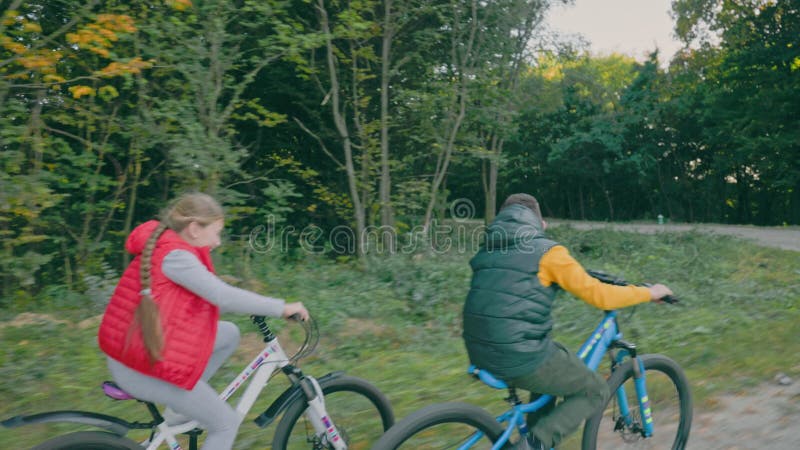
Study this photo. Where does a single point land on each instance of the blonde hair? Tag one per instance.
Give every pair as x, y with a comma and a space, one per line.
187, 208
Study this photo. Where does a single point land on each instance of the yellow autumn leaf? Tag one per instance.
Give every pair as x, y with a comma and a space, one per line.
51, 78
117, 22
97, 37
40, 61
13, 47
10, 17
108, 92
100, 51
18, 76
180, 5
108, 34
132, 66
81, 37
31, 27
79, 91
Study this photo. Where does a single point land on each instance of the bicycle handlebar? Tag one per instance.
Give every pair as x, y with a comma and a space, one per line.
619, 281
310, 329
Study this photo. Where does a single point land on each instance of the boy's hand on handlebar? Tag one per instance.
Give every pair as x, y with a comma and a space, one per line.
295, 309
659, 291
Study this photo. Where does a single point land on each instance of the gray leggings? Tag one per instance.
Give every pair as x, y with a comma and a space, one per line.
202, 403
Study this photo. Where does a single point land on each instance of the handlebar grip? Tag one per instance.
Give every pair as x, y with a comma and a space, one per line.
671, 299
619, 281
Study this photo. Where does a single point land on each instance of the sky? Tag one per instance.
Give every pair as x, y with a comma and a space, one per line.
631, 27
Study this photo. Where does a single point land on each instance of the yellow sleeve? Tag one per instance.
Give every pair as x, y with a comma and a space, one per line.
558, 266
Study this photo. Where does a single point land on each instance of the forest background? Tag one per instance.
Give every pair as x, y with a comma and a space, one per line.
375, 115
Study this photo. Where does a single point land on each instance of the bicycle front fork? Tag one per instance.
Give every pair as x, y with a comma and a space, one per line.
639, 381
322, 423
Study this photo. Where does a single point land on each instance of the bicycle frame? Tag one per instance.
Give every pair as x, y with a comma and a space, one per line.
270, 359
256, 375
261, 368
606, 335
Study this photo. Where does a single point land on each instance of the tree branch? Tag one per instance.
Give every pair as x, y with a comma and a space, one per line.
57, 33
321, 143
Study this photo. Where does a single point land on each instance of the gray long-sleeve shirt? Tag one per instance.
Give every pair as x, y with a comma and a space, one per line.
183, 268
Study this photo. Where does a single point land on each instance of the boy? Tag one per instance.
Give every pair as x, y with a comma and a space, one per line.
508, 323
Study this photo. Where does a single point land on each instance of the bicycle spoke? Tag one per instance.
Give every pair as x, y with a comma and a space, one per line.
354, 416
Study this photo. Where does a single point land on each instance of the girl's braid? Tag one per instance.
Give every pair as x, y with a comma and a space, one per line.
147, 315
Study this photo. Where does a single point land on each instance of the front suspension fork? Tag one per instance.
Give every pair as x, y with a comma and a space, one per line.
323, 426
627, 349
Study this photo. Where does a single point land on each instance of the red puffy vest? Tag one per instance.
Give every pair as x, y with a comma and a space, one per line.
189, 322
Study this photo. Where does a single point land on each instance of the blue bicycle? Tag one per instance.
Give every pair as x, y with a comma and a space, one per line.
650, 406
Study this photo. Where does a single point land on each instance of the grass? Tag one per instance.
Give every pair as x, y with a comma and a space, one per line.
396, 322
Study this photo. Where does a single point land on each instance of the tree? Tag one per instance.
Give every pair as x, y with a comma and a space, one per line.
59, 66
501, 96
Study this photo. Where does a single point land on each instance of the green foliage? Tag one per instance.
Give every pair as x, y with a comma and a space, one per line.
277, 197
712, 139
397, 323
107, 110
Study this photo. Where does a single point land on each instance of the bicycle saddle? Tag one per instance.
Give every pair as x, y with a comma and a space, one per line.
117, 393
486, 377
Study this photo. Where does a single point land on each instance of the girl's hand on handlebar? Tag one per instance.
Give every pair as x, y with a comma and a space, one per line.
295, 309
658, 291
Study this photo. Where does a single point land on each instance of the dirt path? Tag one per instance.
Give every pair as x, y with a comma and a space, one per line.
787, 238
765, 417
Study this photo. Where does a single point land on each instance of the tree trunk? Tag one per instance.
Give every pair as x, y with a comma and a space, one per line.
461, 64
385, 191
491, 192
344, 134
487, 209
509, 81
136, 167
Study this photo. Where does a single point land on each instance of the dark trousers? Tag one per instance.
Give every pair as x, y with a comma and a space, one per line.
562, 374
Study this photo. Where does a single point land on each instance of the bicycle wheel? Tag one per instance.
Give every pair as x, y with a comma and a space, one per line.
89, 440
442, 426
670, 403
359, 410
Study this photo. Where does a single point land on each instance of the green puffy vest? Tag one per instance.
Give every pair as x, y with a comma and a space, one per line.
507, 320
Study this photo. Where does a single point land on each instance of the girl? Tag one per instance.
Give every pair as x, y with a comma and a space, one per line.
161, 329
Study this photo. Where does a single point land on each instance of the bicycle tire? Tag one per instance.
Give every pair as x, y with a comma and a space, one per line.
662, 374
349, 415
415, 429
89, 440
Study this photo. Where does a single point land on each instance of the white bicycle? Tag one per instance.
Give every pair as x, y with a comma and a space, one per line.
334, 412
